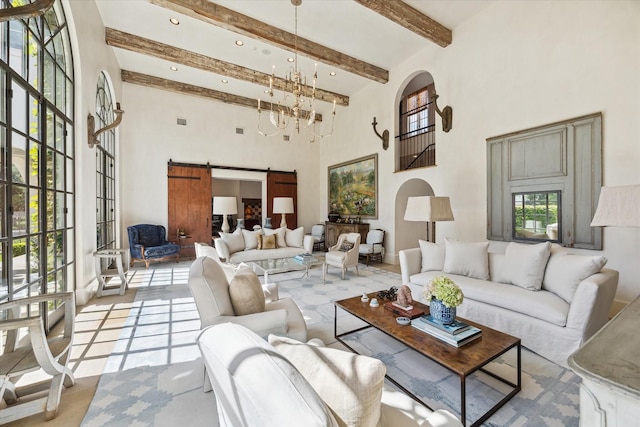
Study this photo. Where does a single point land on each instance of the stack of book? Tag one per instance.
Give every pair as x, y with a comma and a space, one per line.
403, 310
303, 257
456, 334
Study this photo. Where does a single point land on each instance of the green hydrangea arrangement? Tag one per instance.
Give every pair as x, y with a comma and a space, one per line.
445, 290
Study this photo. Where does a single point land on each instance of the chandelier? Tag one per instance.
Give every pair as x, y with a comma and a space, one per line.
295, 108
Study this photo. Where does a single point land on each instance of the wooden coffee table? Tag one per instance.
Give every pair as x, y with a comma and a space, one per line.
462, 361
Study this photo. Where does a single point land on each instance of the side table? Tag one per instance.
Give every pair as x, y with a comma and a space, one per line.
111, 255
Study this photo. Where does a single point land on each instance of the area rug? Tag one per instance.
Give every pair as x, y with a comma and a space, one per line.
154, 376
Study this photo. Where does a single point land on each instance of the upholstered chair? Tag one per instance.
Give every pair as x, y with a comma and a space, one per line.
317, 232
344, 254
374, 248
148, 242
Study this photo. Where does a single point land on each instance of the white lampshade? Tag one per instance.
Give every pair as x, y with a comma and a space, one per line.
225, 206
428, 208
283, 205
618, 207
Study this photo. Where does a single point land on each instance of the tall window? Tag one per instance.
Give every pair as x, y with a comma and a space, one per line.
105, 168
416, 142
36, 156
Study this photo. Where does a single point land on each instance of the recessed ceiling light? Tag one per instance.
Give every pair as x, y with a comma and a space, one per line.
173, 68
239, 42
225, 81
333, 73
174, 21
290, 60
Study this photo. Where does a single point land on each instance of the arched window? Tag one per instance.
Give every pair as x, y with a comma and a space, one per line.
36, 160
415, 147
105, 167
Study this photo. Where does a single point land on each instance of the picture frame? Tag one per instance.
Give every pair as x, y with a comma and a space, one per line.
353, 187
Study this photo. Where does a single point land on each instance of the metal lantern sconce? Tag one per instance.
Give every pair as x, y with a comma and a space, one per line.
91, 124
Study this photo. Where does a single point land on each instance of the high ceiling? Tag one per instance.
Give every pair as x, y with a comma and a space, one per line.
347, 26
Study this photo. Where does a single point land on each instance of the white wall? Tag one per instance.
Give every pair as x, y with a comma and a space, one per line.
91, 56
515, 66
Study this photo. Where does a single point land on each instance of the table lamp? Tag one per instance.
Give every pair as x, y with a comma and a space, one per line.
225, 206
284, 206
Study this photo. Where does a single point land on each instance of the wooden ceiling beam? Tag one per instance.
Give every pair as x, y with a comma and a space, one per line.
156, 49
410, 18
228, 19
187, 89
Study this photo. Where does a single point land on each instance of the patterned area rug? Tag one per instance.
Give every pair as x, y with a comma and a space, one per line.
154, 376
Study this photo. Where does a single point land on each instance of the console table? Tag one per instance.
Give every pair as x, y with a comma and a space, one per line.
334, 229
609, 365
111, 257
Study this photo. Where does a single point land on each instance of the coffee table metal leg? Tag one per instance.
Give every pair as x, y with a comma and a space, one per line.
463, 400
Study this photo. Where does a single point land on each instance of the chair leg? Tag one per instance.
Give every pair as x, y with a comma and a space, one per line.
207, 387
343, 270
357, 271
146, 263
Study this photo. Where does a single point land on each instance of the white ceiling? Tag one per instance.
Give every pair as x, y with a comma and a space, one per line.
343, 25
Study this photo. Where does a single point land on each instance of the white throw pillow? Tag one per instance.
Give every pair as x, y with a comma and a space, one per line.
350, 384
234, 241
246, 293
524, 265
250, 239
565, 272
432, 256
280, 236
295, 237
467, 259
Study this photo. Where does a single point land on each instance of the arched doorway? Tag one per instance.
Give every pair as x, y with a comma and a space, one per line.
407, 233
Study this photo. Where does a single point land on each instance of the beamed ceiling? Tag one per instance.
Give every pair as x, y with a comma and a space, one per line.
359, 40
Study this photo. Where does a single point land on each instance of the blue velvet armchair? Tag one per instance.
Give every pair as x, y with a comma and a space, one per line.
148, 242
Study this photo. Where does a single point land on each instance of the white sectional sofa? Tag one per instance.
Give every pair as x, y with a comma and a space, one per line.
552, 300
285, 382
243, 245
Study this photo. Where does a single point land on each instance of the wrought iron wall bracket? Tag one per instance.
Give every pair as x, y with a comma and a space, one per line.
92, 135
446, 114
384, 137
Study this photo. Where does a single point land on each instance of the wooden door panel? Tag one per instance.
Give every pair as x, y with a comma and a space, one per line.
282, 184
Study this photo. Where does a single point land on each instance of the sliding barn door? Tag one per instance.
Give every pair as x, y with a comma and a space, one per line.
190, 206
282, 184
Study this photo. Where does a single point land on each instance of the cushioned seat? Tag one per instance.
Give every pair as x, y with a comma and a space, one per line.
374, 248
147, 242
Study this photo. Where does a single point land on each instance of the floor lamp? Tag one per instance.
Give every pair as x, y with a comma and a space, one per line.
430, 209
283, 205
225, 206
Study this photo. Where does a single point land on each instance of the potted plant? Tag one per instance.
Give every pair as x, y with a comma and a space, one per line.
443, 296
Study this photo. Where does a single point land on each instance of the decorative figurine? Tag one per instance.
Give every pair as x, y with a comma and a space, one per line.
404, 296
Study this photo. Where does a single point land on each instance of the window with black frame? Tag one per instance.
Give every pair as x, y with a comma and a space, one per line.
537, 216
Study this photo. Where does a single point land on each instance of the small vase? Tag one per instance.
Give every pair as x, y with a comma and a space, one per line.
267, 223
441, 313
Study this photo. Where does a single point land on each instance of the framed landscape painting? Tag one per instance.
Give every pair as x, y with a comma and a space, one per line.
353, 187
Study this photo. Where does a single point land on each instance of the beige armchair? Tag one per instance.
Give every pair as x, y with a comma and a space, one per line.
341, 257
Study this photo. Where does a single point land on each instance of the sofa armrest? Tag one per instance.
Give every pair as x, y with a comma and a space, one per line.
222, 248
263, 324
270, 291
592, 301
307, 243
410, 263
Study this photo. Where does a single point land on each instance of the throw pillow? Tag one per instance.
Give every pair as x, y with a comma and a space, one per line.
267, 242
432, 256
234, 241
295, 237
280, 235
246, 293
346, 246
565, 272
467, 259
350, 384
250, 239
524, 265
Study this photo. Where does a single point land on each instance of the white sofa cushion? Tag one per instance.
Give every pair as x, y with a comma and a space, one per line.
255, 254
250, 239
565, 272
294, 238
280, 234
253, 383
432, 256
245, 291
350, 384
524, 265
234, 241
467, 259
